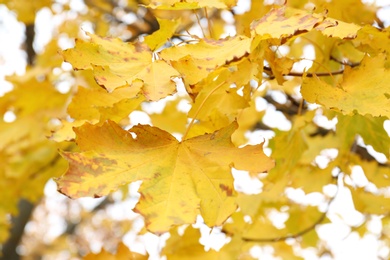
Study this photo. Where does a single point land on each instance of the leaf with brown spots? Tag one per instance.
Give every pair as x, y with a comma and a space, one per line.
180, 179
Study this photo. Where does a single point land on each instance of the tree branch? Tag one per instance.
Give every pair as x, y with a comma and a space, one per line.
30, 36
17, 230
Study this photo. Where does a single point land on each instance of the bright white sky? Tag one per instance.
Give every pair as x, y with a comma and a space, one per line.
344, 244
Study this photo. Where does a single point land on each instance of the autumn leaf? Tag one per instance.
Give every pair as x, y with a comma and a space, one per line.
285, 22
220, 97
187, 246
341, 29
196, 61
160, 37
200, 166
373, 41
370, 203
356, 92
118, 64
98, 104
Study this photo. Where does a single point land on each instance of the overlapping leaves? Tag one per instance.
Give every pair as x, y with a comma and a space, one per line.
117, 64
183, 179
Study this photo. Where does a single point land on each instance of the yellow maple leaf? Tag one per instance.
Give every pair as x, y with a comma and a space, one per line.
196, 61
342, 29
285, 22
356, 92
117, 64
200, 166
374, 41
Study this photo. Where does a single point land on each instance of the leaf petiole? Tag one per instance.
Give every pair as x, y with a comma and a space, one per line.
200, 107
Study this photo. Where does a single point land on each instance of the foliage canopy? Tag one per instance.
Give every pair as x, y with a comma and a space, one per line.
209, 65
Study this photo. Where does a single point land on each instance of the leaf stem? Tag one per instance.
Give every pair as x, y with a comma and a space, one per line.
198, 20
208, 23
200, 107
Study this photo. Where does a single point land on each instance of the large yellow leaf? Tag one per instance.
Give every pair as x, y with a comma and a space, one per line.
180, 179
116, 64
357, 92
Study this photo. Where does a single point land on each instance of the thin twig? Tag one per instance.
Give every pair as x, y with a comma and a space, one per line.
308, 74
198, 20
200, 107
303, 231
208, 23
354, 64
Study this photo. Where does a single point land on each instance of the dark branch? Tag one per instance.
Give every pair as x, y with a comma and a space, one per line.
355, 64
25, 207
18, 223
30, 36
